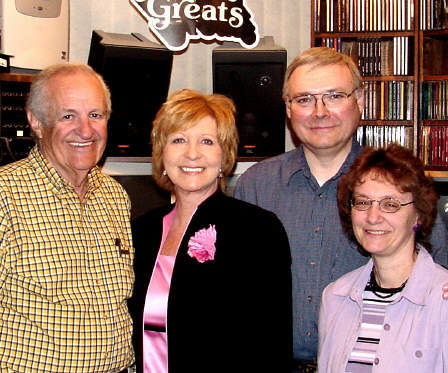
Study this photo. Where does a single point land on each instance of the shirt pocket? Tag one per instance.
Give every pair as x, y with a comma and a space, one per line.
419, 359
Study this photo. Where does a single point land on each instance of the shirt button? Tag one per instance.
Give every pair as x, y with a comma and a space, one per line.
313, 263
376, 361
321, 196
308, 334
317, 229
309, 298
418, 353
386, 327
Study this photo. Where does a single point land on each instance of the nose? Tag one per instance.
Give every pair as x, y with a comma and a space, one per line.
192, 151
374, 214
320, 109
85, 129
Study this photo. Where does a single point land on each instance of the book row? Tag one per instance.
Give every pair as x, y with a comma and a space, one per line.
375, 56
363, 15
433, 14
433, 100
381, 136
434, 146
390, 100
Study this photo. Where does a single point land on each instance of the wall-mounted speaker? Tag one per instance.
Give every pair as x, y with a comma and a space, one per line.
253, 78
35, 32
138, 74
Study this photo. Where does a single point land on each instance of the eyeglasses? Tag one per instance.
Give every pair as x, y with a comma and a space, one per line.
329, 99
386, 204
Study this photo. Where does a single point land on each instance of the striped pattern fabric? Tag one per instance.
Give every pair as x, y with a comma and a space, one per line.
375, 301
65, 272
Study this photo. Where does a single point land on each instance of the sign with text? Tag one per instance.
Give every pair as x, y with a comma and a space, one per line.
176, 22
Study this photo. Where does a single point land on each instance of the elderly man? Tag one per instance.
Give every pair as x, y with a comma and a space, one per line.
65, 243
324, 101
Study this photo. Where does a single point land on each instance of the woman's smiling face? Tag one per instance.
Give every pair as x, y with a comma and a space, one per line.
382, 233
192, 158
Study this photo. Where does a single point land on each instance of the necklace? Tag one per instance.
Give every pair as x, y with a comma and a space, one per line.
380, 292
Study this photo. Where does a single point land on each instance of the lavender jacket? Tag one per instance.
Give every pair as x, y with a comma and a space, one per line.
415, 335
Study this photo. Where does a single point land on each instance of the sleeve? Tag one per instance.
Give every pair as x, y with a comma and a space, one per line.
245, 188
5, 241
444, 326
439, 242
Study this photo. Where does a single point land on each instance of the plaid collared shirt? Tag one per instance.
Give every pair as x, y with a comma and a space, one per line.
65, 272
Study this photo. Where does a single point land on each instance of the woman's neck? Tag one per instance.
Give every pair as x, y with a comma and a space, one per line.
391, 274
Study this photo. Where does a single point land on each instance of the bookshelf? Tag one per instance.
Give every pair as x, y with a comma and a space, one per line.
433, 77
15, 136
401, 48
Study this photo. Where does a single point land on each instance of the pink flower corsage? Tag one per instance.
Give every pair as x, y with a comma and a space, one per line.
202, 245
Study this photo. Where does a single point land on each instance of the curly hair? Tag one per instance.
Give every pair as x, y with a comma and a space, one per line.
183, 110
398, 166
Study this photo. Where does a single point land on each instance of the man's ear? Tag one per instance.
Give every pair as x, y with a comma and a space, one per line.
288, 108
361, 100
35, 124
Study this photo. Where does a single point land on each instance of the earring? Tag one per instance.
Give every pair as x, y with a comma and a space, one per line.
416, 227
164, 173
220, 175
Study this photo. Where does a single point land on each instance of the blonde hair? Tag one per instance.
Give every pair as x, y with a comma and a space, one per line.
183, 110
319, 57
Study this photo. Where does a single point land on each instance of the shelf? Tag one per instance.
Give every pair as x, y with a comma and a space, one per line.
439, 32
10, 77
434, 172
388, 78
378, 122
364, 34
434, 77
149, 159
434, 123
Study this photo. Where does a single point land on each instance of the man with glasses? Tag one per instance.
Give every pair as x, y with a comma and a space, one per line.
324, 100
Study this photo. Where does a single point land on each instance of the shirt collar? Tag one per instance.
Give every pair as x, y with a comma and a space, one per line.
59, 185
416, 290
296, 162
419, 284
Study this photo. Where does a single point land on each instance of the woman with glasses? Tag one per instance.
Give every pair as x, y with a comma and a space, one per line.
389, 315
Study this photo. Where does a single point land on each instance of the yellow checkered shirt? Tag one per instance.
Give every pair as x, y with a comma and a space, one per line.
65, 272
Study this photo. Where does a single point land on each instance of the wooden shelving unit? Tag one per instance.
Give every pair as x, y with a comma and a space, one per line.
422, 27
15, 137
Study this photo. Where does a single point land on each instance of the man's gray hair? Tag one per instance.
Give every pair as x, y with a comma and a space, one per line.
39, 101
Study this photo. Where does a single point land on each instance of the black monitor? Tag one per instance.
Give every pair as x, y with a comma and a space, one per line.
253, 78
138, 74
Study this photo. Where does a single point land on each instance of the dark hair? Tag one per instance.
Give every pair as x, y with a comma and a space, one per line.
398, 166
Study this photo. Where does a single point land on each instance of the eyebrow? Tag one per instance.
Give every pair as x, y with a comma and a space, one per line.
331, 90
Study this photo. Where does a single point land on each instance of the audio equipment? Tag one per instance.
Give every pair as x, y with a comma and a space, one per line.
253, 78
138, 73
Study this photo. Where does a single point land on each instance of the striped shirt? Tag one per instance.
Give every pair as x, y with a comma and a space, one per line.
375, 301
65, 271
